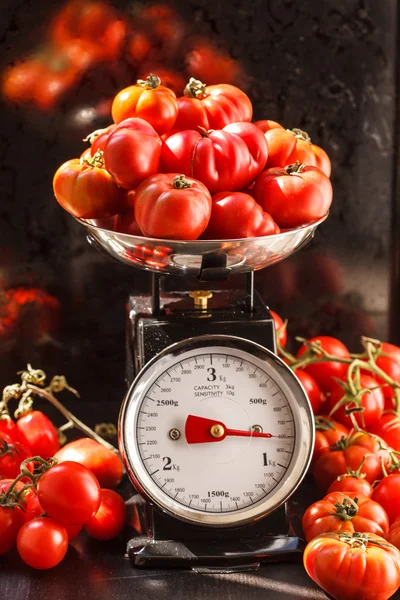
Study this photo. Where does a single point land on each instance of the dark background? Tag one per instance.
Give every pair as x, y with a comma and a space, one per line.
326, 67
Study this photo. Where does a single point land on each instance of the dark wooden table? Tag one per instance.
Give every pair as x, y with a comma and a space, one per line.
99, 571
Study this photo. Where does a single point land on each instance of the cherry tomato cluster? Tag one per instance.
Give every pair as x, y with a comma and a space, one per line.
353, 531
195, 167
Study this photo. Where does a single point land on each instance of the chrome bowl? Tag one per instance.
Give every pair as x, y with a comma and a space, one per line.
175, 257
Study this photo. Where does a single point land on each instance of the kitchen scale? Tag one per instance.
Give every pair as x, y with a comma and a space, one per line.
216, 431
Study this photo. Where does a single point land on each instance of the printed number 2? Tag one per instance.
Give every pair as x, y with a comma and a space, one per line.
167, 463
212, 376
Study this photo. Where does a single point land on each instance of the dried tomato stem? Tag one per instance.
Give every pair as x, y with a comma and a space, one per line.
69, 416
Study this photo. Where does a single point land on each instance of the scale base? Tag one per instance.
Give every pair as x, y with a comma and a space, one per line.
216, 557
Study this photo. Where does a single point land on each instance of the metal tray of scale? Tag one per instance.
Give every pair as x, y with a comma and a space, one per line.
176, 257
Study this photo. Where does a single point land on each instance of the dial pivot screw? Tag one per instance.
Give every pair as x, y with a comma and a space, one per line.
174, 434
257, 429
217, 430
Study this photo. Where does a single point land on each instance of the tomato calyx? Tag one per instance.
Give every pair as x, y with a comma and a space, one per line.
195, 89
96, 161
151, 82
299, 134
6, 448
181, 183
346, 510
295, 168
359, 540
356, 473
322, 424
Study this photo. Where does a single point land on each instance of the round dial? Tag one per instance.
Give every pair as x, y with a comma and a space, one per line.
216, 431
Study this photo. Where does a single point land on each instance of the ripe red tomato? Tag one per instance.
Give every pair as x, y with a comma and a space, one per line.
387, 494
372, 403
388, 428
392, 368
312, 390
126, 223
327, 433
9, 428
286, 146
40, 432
211, 107
173, 207
148, 100
98, 139
105, 465
69, 493
205, 61
42, 543
237, 215
324, 371
87, 192
226, 159
109, 520
32, 507
11, 520
20, 81
360, 566
279, 326
294, 195
345, 512
11, 456
132, 152
73, 531
349, 454
393, 536
392, 350
170, 78
347, 483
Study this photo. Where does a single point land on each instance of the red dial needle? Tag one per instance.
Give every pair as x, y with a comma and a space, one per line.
199, 430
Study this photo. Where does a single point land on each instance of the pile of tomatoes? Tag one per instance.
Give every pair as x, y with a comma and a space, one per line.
353, 532
45, 502
195, 167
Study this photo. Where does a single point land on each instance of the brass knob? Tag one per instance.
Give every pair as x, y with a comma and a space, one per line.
200, 298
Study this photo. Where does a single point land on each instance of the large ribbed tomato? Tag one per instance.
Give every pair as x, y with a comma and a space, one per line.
173, 207
294, 195
224, 160
211, 107
149, 100
132, 152
327, 433
360, 566
237, 215
286, 146
88, 191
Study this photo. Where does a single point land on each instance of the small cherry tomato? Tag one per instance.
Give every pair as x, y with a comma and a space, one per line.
324, 371
149, 100
327, 433
340, 511
132, 152
105, 464
348, 454
237, 215
73, 531
109, 520
312, 390
372, 403
387, 494
357, 566
11, 456
42, 543
40, 432
388, 428
294, 195
211, 107
9, 427
280, 328
32, 507
173, 207
69, 493
11, 520
86, 191
351, 483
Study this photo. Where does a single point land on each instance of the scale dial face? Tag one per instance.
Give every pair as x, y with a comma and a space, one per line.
216, 431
